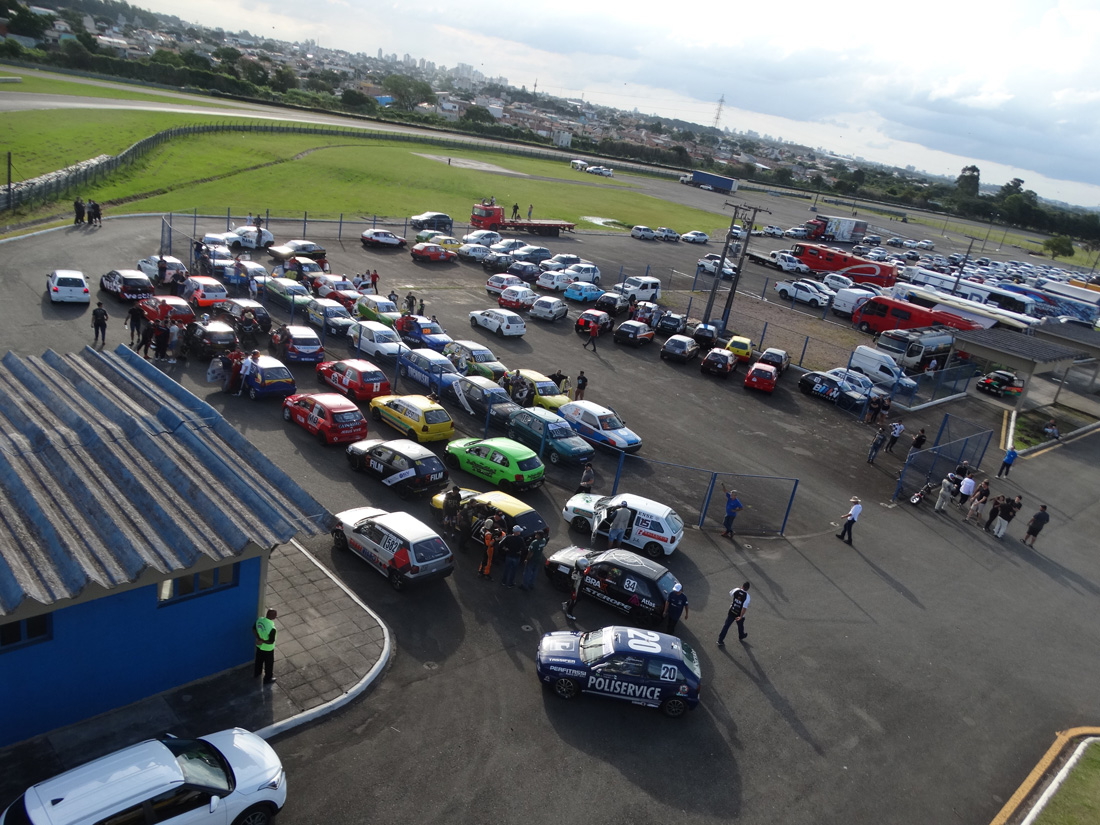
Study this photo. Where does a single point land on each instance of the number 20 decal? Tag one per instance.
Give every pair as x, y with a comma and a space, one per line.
643, 641
669, 673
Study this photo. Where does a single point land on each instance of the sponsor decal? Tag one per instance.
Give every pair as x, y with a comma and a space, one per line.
401, 476
568, 671
603, 684
650, 535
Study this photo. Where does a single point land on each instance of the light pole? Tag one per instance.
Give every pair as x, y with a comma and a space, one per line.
962, 268
992, 218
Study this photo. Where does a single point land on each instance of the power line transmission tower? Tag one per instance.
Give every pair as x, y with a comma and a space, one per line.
718, 111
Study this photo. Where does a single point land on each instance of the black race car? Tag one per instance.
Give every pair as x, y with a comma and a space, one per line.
672, 323
497, 262
481, 395
1001, 382
232, 310
127, 284
630, 583
205, 339
407, 467
831, 388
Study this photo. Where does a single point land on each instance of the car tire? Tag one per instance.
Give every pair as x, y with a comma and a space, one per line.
663, 356
375, 414
813, 303
511, 432
473, 323
339, 540
507, 486
411, 435
397, 581
500, 332
864, 326
565, 688
555, 457
286, 414
253, 394
322, 438
674, 707
581, 523
451, 460
653, 550
784, 294
257, 815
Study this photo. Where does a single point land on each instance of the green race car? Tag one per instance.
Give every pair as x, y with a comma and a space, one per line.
288, 292
479, 359
500, 461
376, 308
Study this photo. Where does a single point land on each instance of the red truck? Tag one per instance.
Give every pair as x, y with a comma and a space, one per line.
826, 259
835, 230
485, 216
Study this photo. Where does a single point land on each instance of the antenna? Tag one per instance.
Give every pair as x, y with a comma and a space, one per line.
535, 91
718, 111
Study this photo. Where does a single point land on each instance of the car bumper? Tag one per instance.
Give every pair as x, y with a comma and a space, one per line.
435, 575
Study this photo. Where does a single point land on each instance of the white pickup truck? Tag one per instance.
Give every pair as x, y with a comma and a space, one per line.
788, 263
801, 291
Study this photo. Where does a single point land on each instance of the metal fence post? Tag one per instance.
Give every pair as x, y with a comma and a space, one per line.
267, 219
228, 219
340, 229
790, 504
764, 291
763, 332
805, 344
618, 472
706, 500
305, 222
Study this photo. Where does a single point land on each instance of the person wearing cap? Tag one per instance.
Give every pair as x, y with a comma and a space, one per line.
739, 604
619, 522
452, 503
676, 604
248, 366
588, 478
533, 560
264, 631
850, 519
514, 547
576, 578
733, 506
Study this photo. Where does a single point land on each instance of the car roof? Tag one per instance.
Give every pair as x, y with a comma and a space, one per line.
206, 279
588, 406
533, 375
357, 363
421, 401
482, 381
509, 505
216, 326
633, 562
670, 645
407, 447
132, 273
269, 361
470, 345
301, 330
505, 445
636, 502
333, 401
431, 355
327, 302
545, 414
104, 785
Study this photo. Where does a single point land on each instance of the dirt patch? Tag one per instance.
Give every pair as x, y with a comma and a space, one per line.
476, 165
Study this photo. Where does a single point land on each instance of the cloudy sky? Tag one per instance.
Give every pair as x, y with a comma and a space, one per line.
1012, 86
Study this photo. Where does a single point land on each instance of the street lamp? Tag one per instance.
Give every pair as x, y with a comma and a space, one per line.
992, 218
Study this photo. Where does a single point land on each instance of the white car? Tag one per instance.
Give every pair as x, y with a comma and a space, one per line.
654, 528
695, 236
474, 252
773, 231
643, 233
561, 261
600, 426
149, 266
709, 263
818, 287
583, 272
483, 237
836, 282
498, 283
797, 232
857, 381
401, 547
800, 291
663, 233
508, 245
549, 309
909, 244
232, 776
381, 237
68, 286
376, 340
518, 297
503, 322
252, 237
325, 285
925, 245
736, 233
553, 279
877, 254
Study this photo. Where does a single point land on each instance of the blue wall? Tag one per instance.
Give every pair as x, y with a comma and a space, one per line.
116, 650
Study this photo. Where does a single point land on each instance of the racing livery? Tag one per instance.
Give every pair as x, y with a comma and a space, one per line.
627, 582
357, 378
493, 503
600, 426
400, 547
642, 666
331, 417
654, 527
405, 466
500, 461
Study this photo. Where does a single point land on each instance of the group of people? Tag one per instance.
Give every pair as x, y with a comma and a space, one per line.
90, 213
365, 279
490, 530
962, 489
515, 209
890, 440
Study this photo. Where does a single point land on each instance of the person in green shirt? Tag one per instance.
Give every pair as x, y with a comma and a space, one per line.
533, 560
264, 631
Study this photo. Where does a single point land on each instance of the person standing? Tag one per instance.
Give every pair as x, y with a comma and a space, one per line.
874, 406
134, 318
966, 489
146, 340
78, 210
1008, 512
947, 489
264, 631
588, 477
514, 549
619, 522
675, 605
876, 445
733, 507
918, 442
850, 519
884, 410
392, 297
374, 281
576, 579
896, 429
452, 503
582, 385
1036, 525
978, 502
515, 211
739, 604
410, 302
173, 342
1006, 463
533, 560
995, 512
932, 365
485, 571
248, 366
99, 325
593, 334
530, 209
162, 271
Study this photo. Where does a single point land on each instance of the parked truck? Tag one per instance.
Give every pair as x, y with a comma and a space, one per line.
826, 259
835, 230
781, 260
716, 182
914, 349
486, 216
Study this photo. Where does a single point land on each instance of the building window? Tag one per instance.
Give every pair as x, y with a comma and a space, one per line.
26, 632
198, 584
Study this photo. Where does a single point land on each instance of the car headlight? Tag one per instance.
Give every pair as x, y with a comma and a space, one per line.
275, 783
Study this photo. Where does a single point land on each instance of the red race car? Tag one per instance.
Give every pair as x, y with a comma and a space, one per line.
761, 377
432, 252
332, 417
348, 297
357, 378
518, 298
166, 308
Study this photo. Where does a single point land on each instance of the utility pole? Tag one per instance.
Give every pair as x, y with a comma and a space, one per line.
992, 218
750, 223
962, 268
721, 264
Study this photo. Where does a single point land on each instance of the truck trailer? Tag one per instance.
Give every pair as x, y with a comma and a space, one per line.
835, 230
487, 216
716, 182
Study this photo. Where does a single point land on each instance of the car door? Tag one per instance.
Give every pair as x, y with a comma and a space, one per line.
301, 411
623, 676
367, 541
379, 460
184, 805
318, 419
529, 429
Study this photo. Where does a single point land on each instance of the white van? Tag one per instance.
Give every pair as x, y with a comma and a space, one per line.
880, 367
847, 301
642, 287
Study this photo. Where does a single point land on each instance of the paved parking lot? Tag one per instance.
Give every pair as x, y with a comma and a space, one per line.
911, 678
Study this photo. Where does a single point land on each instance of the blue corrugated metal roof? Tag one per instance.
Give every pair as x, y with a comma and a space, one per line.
110, 469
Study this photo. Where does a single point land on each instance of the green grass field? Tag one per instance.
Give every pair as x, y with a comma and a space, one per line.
1077, 801
58, 85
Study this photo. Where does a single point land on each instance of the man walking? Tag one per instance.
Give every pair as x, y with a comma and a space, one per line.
264, 631
896, 429
374, 281
947, 489
918, 442
739, 604
1008, 512
514, 548
582, 385
588, 478
533, 560
733, 507
850, 519
593, 334
134, 319
876, 445
675, 605
1036, 525
966, 489
619, 522
99, 324
576, 578
1006, 464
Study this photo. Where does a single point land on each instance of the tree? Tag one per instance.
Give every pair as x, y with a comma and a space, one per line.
1059, 247
782, 174
283, 80
1013, 187
478, 114
656, 127
166, 57
193, 60
26, 23
407, 92
253, 72
358, 101
227, 54
968, 181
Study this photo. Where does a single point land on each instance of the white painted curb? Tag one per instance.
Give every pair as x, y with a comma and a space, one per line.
1058, 780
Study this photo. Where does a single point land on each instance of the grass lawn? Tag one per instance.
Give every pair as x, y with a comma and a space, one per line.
58, 85
1077, 801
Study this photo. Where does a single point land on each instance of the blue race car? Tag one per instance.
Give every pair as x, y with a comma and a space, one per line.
582, 291
418, 331
642, 666
600, 426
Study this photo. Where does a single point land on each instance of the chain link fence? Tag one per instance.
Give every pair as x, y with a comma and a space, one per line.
958, 440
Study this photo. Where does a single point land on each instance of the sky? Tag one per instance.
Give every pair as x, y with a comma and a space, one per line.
1012, 87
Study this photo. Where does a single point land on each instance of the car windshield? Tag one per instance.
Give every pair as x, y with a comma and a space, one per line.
201, 764
691, 659
595, 645
369, 376
530, 521
277, 374
483, 356
349, 417
336, 312
547, 388
675, 345
431, 549
386, 336
531, 463
436, 416
385, 306
498, 395
296, 289
559, 430
222, 337
610, 422
135, 281
431, 329
307, 341
675, 522
430, 465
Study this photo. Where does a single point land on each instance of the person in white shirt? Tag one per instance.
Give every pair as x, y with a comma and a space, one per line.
850, 519
248, 366
966, 489
739, 603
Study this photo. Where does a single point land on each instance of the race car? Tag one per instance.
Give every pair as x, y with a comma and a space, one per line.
549, 309
417, 331
166, 308
205, 291
718, 362
150, 267
582, 292
653, 527
404, 466
500, 461
377, 308
496, 285
760, 376
533, 388
298, 268
297, 249
634, 333
517, 297
600, 426
630, 583
432, 252
1001, 382
205, 339
593, 316
127, 284
493, 503
331, 417
330, 316
672, 323
357, 378
479, 359
679, 348
381, 237
296, 343
643, 667
778, 358
539, 428
741, 347
480, 397
417, 416
402, 548
833, 389
504, 322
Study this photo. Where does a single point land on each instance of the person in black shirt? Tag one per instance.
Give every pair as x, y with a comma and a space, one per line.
1036, 525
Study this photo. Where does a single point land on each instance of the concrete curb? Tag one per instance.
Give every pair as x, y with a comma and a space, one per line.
1012, 808
1049, 445
328, 707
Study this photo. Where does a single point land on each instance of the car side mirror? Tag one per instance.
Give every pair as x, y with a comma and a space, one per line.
214, 802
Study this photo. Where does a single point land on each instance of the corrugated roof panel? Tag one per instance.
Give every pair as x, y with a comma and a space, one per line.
109, 469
